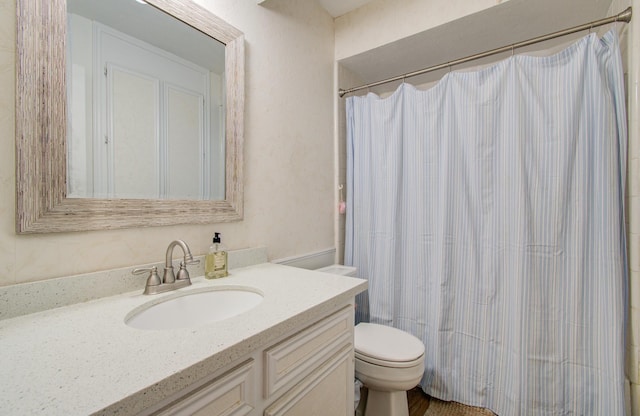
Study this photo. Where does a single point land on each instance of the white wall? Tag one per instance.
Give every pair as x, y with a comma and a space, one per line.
630, 41
385, 21
288, 153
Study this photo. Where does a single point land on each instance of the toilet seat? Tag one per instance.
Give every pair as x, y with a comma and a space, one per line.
390, 364
387, 346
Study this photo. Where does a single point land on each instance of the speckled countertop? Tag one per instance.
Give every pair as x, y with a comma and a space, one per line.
83, 359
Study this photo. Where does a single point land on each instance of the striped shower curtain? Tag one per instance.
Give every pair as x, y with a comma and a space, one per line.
487, 214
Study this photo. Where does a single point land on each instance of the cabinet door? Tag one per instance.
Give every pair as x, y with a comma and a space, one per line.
326, 391
290, 361
229, 395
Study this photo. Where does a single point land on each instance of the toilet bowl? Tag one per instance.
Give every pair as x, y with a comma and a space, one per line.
388, 362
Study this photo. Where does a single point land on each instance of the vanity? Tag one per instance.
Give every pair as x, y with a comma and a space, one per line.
290, 354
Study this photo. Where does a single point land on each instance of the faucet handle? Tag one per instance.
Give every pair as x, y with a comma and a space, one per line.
152, 280
183, 273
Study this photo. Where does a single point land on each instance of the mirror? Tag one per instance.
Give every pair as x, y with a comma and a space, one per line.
145, 100
43, 202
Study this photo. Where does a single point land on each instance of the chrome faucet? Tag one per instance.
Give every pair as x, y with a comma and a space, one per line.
183, 274
169, 280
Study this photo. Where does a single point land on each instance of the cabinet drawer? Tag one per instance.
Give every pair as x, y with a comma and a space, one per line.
294, 358
333, 380
230, 395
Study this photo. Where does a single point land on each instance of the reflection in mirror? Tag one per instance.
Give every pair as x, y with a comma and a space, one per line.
49, 199
146, 105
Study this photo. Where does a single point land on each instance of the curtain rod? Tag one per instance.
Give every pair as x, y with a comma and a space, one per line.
624, 16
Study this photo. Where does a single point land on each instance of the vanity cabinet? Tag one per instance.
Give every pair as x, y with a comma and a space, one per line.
318, 363
230, 394
309, 371
324, 392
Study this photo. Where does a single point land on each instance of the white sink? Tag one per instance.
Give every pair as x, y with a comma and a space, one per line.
193, 308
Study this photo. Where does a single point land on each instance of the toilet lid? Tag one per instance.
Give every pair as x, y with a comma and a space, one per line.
386, 343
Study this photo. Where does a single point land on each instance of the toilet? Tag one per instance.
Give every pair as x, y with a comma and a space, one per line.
389, 362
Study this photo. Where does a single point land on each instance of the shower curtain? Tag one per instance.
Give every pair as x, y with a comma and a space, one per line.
487, 214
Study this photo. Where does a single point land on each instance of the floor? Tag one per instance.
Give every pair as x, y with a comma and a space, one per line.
418, 402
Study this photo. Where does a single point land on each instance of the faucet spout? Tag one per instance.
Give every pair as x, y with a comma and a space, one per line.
169, 276
185, 250
169, 280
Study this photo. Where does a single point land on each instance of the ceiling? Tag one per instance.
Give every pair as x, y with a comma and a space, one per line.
151, 25
339, 7
504, 24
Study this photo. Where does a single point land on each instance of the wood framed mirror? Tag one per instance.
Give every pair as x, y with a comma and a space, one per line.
42, 205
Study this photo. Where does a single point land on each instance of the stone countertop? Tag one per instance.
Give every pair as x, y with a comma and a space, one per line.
83, 359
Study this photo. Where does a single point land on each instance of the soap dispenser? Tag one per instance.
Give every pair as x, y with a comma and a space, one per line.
215, 264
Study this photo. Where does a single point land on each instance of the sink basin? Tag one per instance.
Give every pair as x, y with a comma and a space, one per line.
193, 308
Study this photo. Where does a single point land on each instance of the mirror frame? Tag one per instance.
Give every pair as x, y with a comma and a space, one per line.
42, 205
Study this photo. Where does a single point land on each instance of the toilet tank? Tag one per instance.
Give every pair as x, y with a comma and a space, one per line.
339, 269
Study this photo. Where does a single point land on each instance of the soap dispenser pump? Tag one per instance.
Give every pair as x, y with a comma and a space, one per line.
215, 265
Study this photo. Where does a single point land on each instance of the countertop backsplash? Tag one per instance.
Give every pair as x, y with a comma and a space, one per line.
31, 297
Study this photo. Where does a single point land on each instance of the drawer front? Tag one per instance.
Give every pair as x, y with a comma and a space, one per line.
326, 391
230, 395
294, 358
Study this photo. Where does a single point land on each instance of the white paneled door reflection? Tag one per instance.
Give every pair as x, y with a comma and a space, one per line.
154, 122
155, 139
131, 166
185, 145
